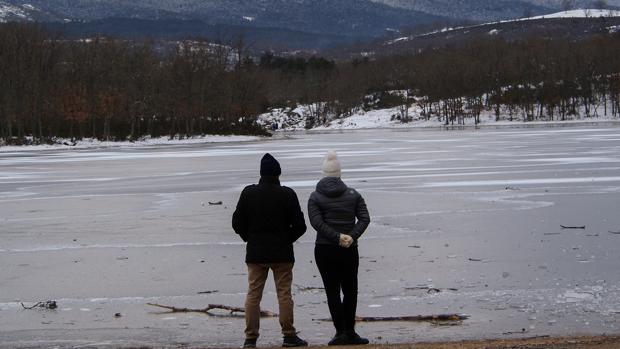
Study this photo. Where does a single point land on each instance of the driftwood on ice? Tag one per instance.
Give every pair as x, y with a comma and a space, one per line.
266, 313
210, 307
413, 318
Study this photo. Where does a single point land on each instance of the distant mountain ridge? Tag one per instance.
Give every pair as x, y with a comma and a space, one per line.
493, 10
358, 18
300, 14
298, 24
570, 26
475, 10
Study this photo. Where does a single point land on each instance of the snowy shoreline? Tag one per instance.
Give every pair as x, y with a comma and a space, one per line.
89, 143
376, 119
432, 125
295, 120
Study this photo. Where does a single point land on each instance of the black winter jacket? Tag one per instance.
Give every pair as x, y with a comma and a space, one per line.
333, 209
269, 219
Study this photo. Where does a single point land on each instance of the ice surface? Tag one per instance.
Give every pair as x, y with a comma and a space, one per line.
473, 213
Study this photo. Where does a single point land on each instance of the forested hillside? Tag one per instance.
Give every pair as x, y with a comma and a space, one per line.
111, 89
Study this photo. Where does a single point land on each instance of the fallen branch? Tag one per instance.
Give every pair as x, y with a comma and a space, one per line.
309, 288
46, 305
415, 318
569, 227
523, 330
430, 289
446, 323
232, 310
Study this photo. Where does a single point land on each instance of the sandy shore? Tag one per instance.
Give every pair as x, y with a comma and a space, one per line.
599, 342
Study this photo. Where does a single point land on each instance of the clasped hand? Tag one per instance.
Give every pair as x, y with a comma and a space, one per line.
345, 240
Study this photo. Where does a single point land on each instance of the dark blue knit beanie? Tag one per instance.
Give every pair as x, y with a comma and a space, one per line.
269, 166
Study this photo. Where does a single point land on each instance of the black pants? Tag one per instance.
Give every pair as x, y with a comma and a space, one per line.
338, 267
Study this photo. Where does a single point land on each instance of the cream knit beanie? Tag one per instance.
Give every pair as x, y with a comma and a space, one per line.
331, 165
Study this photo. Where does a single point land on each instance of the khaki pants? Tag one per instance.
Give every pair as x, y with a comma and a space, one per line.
283, 277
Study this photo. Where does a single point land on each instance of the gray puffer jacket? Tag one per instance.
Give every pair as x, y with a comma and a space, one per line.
333, 209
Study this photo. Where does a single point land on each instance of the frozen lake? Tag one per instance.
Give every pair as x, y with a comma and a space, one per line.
473, 213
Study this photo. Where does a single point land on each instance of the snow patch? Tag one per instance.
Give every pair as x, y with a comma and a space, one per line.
8, 11
317, 116
575, 296
404, 38
63, 143
580, 13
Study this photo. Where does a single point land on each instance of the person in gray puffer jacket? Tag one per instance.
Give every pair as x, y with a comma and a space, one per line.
339, 215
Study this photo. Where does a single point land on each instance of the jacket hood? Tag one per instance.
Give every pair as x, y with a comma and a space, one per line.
331, 187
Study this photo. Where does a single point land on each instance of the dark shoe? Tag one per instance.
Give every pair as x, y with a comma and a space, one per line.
249, 343
355, 339
293, 341
339, 339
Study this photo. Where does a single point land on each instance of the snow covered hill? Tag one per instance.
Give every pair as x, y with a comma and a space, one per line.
299, 24
284, 25
20, 12
9, 12
476, 10
493, 10
568, 25
575, 14
345, 17
580, 13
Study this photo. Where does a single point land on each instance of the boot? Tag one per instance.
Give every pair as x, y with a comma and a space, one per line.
249, 343
339, 339
293, 341
355, 339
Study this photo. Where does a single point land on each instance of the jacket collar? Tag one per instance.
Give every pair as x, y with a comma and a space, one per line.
269, 180
331, 186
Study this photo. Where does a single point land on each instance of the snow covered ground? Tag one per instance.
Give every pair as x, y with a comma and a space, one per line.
145, 142
294, 119
8, 11
579, 13
475, 213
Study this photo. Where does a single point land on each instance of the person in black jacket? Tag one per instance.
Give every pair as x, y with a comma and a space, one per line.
268, 217
339, 215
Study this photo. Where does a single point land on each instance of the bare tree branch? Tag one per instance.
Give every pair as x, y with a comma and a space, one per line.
210, 307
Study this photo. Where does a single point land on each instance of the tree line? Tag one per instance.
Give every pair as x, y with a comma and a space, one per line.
531, 79
117, 90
